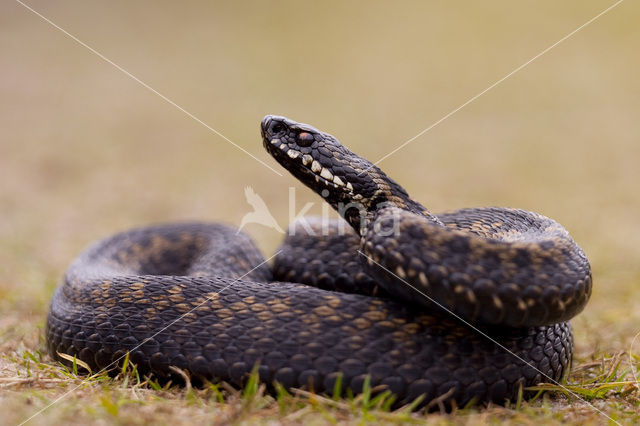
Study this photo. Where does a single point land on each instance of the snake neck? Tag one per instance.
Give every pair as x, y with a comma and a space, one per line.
356, 188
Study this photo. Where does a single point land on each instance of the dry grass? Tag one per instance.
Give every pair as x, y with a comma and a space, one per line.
86, 151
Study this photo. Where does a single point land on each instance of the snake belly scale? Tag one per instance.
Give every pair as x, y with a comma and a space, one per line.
338, 303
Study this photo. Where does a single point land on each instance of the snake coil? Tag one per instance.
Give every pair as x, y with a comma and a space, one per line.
467, 305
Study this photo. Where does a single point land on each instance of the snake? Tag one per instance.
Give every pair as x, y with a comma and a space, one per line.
468, 306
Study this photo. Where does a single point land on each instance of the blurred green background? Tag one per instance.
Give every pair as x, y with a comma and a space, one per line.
86, 151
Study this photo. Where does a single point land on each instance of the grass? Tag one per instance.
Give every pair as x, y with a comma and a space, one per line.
85, 151
130, 399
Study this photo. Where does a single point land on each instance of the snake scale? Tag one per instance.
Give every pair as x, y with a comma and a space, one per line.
462, 306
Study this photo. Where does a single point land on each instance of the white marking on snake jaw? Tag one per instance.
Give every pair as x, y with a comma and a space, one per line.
284, 147
306, 159
470, 296
423, 279
338, 181
497, 302
275, 141
293, 154
315, 167
349, 186
325, 173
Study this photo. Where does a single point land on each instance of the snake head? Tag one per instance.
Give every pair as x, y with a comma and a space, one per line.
352, 185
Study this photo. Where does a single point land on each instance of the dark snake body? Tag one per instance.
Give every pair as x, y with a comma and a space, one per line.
466, 305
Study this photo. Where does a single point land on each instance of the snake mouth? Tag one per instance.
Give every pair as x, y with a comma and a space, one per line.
304, 167
299, 149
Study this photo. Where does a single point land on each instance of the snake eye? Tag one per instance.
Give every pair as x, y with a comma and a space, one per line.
304, 139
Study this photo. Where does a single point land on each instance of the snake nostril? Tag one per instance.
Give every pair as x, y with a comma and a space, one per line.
275, 127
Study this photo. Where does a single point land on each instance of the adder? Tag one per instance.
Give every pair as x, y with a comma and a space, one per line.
471, 305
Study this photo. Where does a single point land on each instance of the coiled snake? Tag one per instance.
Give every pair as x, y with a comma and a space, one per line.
395, 300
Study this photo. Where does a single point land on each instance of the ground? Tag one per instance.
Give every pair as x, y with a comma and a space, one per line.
86, 151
